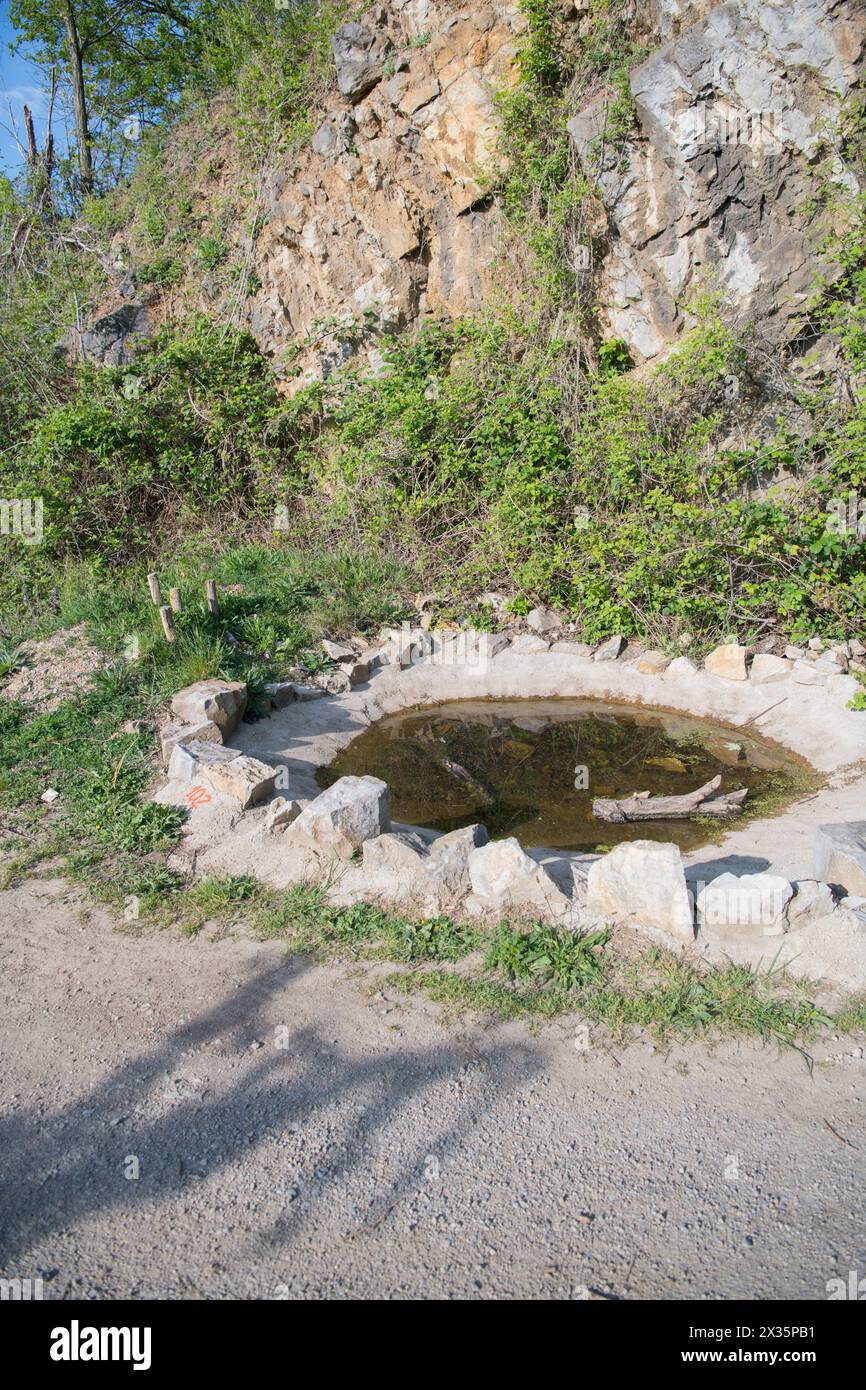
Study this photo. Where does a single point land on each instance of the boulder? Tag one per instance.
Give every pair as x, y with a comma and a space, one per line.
642, 881
611, 649
280, 693
218, 701
356, 672
343, 818
403, 865
572, 648
811, 901
245, 780
111, 341
839, 855
359, 54
307, 692
528, 644
338, 651
191, 760
448, 858
542, 620
770, 668
504, 878
394, 866
490, 644
653, 663
752, 902
682, 666
172, 734
830, 948
807, 673
728, 661
281, 813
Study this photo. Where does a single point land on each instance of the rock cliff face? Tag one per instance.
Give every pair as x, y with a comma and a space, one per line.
733, 116
390, 212
387, 214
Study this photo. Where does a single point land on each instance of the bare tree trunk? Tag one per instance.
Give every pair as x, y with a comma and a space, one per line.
32, 148
79, 100
41, 162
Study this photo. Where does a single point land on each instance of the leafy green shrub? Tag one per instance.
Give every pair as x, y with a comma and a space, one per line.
211, 252
200, 434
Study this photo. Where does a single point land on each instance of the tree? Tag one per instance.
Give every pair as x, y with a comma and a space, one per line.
122, 61
79, 98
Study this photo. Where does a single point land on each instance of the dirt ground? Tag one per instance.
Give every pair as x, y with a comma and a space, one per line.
297, 1134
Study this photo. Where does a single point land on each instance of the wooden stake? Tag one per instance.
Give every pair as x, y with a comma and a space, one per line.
210, 594
153, 585
174, 600
167, 623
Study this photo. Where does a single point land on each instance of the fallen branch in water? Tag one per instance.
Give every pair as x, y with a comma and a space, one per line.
641, 806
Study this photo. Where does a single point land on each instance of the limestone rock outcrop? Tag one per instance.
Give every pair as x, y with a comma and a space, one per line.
733, 115
387, 213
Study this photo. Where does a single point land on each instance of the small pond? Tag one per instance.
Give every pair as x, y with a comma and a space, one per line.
531, 768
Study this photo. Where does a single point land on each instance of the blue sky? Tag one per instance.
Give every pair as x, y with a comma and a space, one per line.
20, 82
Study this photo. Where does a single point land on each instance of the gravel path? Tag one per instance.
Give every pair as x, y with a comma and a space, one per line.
298, 1135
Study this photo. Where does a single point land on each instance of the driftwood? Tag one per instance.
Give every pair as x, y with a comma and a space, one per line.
641, 806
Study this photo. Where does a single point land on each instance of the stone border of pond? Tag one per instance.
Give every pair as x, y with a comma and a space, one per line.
785, 890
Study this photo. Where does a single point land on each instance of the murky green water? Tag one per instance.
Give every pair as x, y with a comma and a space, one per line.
531, 768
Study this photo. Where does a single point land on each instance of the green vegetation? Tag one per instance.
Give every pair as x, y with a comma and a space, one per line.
519, 448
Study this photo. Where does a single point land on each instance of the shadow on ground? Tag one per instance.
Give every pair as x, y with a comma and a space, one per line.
65, 1165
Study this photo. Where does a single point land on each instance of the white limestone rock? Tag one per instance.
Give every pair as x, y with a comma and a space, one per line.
188, 761
653, 663
611, 649
728, 661
682, 666
755, 903
543, 620
811, 901
504, 878
527, 644
172, 734
245, 780
343, 818
216, 701
282, 812
839, 855
766, 668
642, 882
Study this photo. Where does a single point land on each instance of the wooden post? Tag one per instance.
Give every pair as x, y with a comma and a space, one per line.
153, 585
210, 594
174, 600
167, 623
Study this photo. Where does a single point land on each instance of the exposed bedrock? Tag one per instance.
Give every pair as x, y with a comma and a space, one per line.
735, 115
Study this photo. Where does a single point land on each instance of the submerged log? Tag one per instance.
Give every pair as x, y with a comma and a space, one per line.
641, 806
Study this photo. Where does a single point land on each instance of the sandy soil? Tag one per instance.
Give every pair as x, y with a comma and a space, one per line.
57, 668
298, 1134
